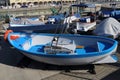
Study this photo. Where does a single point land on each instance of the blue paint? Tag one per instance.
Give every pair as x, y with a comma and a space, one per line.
37, 49
101, 46
114, 57
90, 49
80, 51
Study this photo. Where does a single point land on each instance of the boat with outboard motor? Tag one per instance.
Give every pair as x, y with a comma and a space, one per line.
82, 20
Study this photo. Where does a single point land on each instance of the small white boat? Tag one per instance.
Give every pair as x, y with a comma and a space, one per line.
65, 49
85, 26
81, 21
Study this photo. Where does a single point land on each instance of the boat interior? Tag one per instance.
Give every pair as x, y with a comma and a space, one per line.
43, 45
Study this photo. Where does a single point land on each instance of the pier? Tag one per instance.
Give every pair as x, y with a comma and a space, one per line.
14, 66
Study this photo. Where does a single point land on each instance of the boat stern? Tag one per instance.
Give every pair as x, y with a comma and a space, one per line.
108, 59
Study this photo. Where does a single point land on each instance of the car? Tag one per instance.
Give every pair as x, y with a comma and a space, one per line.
24, 6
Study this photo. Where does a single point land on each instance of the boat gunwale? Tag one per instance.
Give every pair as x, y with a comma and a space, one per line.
91, 54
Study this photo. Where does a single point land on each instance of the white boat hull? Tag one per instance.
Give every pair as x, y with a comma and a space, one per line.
85, 26
107, 58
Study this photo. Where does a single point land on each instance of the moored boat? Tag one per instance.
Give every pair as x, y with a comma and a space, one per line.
65, 49
82, 20
34, 25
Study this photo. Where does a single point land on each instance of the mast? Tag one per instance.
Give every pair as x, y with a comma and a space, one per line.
61, 5
55, 38
77, 1
77, 7
7, 15
7, 6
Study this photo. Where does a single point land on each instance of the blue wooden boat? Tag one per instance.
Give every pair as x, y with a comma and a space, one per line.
65, 49
47, 28
34, 25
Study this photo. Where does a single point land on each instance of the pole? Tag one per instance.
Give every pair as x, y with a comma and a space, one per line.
6, 3
61, 5
7, 17
7, 7
77, 1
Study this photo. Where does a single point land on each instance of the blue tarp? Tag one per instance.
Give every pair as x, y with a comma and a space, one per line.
112, 13
58, 17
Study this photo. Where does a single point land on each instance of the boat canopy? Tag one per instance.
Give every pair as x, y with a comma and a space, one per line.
86, 5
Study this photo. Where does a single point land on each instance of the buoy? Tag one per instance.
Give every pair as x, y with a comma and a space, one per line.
6, 34
13, 37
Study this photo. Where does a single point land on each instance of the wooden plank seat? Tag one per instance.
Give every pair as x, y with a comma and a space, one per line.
79, 46
56, 49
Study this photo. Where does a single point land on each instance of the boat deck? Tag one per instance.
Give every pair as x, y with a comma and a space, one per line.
99, 46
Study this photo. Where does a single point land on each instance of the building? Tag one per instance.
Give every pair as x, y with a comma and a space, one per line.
37, 2
3, 2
